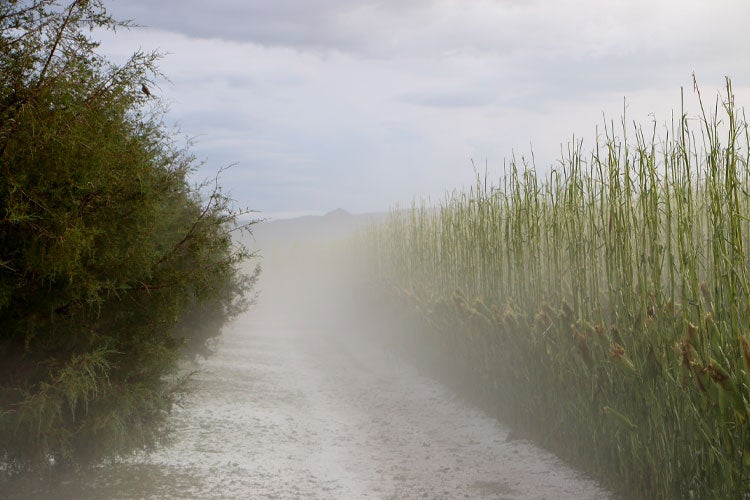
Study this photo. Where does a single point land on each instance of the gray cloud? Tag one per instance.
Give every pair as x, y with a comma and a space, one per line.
500, 27
328, 103
309, 24
450, 99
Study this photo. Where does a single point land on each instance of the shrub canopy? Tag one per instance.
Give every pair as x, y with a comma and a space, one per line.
111, 262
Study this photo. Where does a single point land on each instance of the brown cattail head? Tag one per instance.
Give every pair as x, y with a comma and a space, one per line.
650, 311
705, 291
685, 350
616, 351
583, 348
542, 319
692, 331
717, 373
745, 346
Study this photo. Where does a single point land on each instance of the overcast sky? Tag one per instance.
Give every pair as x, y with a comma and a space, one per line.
363, 105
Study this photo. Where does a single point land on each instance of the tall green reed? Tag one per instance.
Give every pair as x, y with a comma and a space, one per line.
606, 301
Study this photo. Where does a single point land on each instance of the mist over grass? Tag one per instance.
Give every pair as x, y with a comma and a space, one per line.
602, 307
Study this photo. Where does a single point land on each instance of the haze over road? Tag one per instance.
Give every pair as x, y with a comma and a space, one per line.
297, 403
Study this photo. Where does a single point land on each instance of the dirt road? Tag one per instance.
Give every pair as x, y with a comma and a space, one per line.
284, 412
296, 404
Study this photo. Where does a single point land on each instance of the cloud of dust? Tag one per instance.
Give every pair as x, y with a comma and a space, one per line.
317, 281
310, 277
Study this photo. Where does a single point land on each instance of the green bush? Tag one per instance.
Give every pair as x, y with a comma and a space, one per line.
111, 263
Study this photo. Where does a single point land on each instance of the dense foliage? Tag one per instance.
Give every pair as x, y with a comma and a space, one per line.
605, 307
111, 262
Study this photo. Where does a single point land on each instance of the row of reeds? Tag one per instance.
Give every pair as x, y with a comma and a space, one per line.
604, 306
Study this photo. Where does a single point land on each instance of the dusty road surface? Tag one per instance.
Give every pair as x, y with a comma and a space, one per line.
284, 412
296, 403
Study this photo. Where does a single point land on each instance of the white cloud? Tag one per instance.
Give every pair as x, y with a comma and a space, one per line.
365, 104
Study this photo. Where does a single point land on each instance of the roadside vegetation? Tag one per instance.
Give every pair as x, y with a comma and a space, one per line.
603, 308
113, 264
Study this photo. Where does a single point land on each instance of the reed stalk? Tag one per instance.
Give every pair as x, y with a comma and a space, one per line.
605, 304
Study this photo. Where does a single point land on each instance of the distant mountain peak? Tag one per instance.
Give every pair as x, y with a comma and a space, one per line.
339, 212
